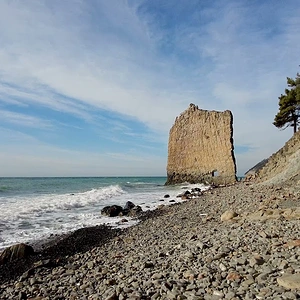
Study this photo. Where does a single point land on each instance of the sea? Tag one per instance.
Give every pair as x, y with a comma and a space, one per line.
34, 209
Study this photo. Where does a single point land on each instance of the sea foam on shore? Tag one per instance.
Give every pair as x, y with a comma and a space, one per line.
35, 209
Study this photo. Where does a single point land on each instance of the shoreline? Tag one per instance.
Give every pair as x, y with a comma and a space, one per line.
57, 247
179, 252
74, 212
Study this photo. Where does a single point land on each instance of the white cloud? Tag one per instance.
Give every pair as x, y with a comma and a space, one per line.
48, 56
77, 56
24, 120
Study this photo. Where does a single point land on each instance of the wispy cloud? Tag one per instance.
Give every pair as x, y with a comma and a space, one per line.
24, 120
19, 159
130, 67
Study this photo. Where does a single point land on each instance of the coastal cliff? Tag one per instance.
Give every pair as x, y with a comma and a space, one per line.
284, 165
201, 148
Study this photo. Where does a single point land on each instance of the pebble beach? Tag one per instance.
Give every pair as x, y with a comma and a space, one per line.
235, 242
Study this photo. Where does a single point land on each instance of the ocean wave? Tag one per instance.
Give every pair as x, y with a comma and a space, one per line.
189, 186
29, 218
22, 207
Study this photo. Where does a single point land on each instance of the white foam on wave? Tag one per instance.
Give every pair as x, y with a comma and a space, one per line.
190, 186
28, 219
22, 207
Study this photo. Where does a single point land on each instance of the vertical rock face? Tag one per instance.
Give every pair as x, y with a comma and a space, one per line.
201, 148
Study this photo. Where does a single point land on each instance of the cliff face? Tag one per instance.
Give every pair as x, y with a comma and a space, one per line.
201, 148
254, 170
284, 165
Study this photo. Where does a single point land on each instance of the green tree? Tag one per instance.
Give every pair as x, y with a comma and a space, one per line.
289, 105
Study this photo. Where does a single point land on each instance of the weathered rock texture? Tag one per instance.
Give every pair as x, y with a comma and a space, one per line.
284, 165
15, 252
201, 148
254, 170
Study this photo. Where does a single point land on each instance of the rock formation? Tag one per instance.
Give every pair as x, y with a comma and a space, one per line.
201, 148
14, 252
130, 210
254, 170
284, 165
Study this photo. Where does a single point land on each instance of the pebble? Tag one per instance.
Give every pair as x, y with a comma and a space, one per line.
290, 281
182, 255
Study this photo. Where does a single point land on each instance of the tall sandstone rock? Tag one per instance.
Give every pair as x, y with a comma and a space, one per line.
201, 148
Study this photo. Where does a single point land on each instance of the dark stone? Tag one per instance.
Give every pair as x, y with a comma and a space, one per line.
124, 212
149, 264
129, 205
172, 201
22, 296
187, 193
112, 211
15, 252
136, 211
167, 196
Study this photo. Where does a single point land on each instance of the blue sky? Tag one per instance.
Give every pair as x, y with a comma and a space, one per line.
91, 88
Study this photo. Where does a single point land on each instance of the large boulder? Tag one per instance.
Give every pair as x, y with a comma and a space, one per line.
112, 211
130, 210
14, 252
129, 205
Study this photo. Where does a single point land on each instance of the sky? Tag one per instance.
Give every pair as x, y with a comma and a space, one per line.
92, 88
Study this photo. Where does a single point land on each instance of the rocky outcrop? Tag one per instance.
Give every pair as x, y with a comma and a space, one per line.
254, 170
15, 252
130, 210
201, 148
112, 211
284, 165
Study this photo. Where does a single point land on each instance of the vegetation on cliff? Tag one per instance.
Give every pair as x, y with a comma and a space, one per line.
289, 105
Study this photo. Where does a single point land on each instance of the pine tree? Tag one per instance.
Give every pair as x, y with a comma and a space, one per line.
289, 105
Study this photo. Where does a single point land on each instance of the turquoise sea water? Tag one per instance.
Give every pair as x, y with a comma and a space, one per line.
34, 208
60, 185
